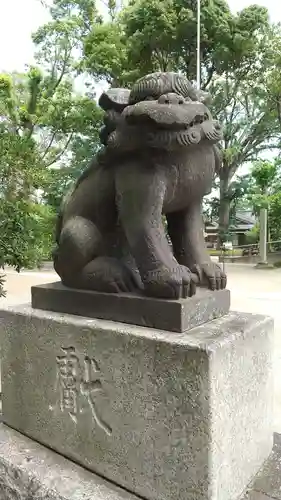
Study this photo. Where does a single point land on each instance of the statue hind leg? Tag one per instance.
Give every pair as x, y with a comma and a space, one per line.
81, 261
78, 243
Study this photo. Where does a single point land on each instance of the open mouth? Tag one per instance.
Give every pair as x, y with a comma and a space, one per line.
150, 122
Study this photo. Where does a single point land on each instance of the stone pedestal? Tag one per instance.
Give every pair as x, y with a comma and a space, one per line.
136, 309
168, 416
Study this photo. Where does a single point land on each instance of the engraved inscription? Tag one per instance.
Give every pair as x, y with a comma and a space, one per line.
90, 385
68, 372
79, 379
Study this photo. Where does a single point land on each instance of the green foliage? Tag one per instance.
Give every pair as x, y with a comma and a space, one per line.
2, 283
265, 192
70, 120
264, 182
211, 208
153, 35
264, 174
106, 54
271, 74
59, 182
252, 236
274, 216
26, 233
45, 123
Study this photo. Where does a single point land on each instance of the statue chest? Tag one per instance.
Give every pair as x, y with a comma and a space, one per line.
189, 177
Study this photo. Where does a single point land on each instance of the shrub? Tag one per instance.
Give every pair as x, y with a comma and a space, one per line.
26, 233
277, 263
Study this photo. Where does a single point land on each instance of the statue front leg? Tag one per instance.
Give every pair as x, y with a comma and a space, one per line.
140, 193
186, 231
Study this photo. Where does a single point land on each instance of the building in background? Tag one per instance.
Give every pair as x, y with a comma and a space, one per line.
243, 222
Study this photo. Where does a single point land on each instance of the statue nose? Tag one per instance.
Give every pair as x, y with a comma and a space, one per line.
171, 98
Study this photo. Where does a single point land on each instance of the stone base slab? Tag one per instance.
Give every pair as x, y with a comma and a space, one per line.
172, 315
165, 415
29, 471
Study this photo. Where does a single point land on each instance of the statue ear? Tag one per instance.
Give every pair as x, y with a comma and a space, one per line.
111, 120
116, 99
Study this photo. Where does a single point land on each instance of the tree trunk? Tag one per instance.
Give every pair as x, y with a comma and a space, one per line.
224, 209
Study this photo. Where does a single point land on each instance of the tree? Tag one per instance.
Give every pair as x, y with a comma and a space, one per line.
161, 36
274, 217
59, 51
45, 124
265, 193
20, 169
272, 65
250, 128
264, 174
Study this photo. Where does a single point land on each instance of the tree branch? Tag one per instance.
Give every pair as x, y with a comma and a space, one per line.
278, 105
62, 152
252, 134
49, 145
67, 53
66, 57
210, 72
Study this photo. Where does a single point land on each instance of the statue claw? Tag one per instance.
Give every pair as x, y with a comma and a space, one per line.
170, 283
212, 274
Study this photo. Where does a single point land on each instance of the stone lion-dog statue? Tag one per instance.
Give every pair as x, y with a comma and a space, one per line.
158, 159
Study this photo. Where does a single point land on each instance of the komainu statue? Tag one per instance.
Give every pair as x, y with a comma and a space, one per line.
159, 158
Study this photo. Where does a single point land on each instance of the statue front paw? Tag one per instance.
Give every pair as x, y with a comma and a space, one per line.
210, 274
166, 283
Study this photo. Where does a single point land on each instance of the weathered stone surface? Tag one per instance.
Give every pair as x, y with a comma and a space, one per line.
173, 315
166, 415
29, 471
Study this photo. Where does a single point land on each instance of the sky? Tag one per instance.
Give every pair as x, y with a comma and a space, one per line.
19, 18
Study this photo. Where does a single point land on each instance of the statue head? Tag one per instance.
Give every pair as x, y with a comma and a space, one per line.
162, 111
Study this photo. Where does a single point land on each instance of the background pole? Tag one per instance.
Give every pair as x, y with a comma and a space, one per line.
263, 236
198, 75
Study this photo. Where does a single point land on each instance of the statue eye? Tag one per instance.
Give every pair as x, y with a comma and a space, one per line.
149, 98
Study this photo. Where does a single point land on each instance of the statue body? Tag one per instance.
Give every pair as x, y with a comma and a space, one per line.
159, 159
